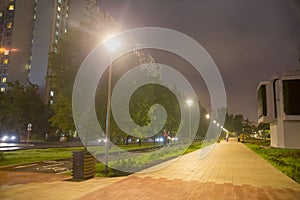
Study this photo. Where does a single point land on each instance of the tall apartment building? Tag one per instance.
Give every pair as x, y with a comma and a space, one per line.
16, 26
30, 29
50, 25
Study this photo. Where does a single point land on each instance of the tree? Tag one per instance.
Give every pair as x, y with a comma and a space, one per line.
264, 130
21, 105
203, 124
63, 65
63, 113
238, 123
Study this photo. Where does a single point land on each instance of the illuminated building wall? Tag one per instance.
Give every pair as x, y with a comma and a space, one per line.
16, 27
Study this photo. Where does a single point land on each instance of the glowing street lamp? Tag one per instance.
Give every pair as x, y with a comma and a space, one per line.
112, 44
207, 116
190, 102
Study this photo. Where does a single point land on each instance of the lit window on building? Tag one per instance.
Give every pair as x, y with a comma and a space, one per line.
51, 94
5, 61
6, 52
1, 14
65, 30
4, 80
67, 15
55, 41
57, 25
2, 89
2, 50
55, 50
58, 16
11, 7
59, 1
34, 16
9, 25
51, 102
56, 33
58, 9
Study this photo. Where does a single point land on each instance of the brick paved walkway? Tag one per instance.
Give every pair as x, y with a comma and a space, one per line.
230, 171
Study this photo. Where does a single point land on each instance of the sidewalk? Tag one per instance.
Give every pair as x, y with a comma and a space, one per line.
230, 171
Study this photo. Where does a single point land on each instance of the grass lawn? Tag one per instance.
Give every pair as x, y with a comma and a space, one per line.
37, 155
286, 160
152, 158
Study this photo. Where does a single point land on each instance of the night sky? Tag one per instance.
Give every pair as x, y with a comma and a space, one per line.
250, 41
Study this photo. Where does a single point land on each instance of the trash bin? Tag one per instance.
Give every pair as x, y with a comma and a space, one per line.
83, 165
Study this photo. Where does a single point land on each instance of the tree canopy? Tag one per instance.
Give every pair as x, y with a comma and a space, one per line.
63, 66
21, 105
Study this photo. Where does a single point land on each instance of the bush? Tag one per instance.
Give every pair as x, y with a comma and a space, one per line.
259, 142
111, 172
1, 156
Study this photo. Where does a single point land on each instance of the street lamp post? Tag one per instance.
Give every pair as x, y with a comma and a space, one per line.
29, 127
190, 102
111, 45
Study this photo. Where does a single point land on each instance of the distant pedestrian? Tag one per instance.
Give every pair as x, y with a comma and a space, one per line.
165, 134
227, 137
169, 137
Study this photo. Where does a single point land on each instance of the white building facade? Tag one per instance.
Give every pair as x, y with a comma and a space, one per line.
279, 105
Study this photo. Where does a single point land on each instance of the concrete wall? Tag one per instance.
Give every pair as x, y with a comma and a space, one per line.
291, 131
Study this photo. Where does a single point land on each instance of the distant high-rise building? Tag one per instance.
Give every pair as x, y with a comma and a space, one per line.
50, 25
16, 26
30, 29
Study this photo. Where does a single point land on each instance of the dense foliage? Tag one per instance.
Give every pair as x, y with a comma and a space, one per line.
63, 65
21, 105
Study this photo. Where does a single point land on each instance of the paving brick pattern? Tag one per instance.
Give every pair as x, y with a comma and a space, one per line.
148, 188
230, 171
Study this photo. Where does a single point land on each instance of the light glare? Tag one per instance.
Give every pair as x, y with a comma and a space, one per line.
189, 102
112, 44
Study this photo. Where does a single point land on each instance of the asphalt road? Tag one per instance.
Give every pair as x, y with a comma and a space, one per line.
37, 145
